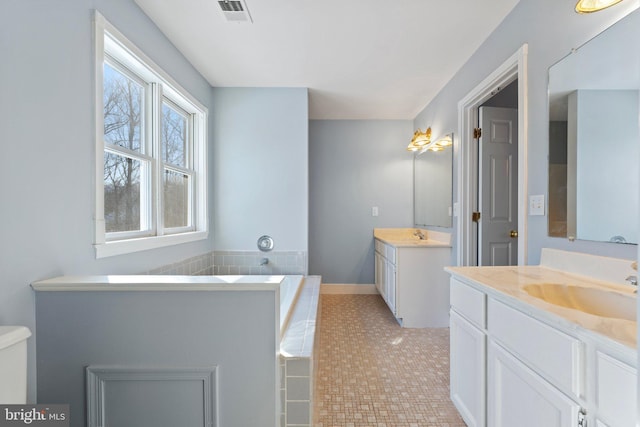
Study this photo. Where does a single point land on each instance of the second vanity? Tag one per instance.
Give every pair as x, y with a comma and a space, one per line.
410, 276
548, 345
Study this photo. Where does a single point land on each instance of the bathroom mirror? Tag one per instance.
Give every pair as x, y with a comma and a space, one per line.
594, 138
433, 187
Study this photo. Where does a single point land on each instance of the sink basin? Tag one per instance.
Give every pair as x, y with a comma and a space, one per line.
599, 302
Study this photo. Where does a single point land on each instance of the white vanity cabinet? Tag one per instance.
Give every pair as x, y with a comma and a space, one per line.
413, 283
514, 365
385, 274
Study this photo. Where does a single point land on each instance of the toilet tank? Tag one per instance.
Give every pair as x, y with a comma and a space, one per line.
13, 364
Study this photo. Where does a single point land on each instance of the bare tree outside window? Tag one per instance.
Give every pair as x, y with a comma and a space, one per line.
176, 199
174, 136
175, 153
123, 112
121, 193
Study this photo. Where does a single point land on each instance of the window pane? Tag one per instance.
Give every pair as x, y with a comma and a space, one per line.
121, 193
123, 103
174, 136
176, 199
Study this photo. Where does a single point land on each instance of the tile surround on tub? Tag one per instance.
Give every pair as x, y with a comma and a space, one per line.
200, 265
237, 263
248, 262
297, 358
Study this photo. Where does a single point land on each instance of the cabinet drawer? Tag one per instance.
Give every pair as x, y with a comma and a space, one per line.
615, 391
555, 355
387, 251
469, 302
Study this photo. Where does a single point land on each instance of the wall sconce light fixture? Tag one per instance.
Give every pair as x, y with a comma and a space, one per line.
420, 140
443, 142
589, 6
437, 145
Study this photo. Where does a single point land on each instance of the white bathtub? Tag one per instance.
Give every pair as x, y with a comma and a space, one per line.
290, 287
289, 291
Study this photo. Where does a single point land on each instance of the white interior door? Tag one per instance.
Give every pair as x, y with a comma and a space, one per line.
498, 187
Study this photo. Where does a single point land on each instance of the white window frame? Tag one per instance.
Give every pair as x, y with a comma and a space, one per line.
110, 44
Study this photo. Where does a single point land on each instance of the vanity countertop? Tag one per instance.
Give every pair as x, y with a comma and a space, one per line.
405, 238
508, 283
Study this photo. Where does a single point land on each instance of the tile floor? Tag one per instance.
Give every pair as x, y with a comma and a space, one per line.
372, 372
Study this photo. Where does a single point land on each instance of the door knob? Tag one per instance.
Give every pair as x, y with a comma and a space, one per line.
513, 233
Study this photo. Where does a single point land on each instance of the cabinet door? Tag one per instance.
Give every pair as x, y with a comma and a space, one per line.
391, 287
467, 364
615, 392
380, 274
517, 396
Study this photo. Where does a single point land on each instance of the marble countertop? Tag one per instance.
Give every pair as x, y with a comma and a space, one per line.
404, 237
508, 283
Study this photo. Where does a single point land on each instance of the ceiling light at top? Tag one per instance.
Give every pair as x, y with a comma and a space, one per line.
589, 6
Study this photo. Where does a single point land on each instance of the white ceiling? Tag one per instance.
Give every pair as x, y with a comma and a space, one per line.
360, 59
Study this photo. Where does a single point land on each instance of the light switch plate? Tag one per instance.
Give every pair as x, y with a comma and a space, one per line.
374, 211
536, 205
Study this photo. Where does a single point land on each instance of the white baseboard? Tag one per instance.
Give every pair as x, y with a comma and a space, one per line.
348, 288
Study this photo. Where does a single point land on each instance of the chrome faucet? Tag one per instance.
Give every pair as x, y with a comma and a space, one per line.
419, 234
264, 261
633, 279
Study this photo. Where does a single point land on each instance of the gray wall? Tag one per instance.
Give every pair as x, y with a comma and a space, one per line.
47, 137
260, 180
551, 28
355, 165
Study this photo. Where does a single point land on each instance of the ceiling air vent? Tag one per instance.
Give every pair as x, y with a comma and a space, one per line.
235, 10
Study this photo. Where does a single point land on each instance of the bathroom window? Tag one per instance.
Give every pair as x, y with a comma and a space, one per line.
151, 152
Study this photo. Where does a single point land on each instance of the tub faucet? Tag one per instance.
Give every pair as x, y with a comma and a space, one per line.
264, 261
419, 235
633, 280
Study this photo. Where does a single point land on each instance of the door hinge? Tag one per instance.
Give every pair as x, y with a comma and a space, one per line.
582, 417
475, 216
477, 133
